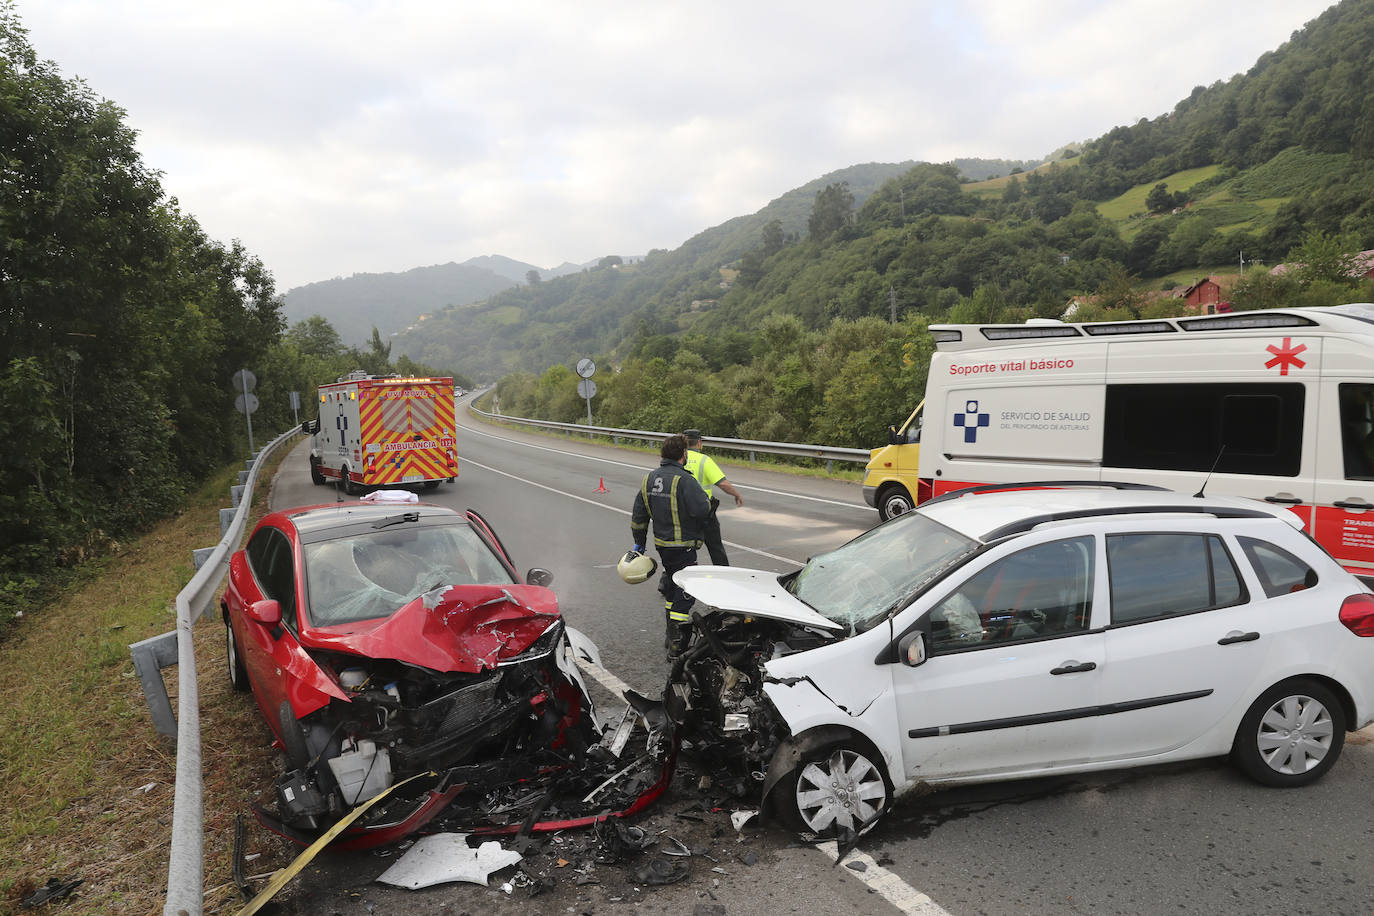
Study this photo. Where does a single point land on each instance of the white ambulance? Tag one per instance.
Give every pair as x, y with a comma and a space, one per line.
1273, 405
384, 431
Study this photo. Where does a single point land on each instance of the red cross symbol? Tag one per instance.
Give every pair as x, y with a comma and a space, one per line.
1285, 356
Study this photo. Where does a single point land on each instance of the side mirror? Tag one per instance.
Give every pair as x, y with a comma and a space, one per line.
266, 612
310, 427
537, 576
912, 649
892, 437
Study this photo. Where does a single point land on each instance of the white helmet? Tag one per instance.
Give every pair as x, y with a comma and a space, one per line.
635, 567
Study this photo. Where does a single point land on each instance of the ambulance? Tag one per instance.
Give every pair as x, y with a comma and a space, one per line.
384, 432
1274, 405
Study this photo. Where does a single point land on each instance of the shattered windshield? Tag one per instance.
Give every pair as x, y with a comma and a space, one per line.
371, 575
858, 583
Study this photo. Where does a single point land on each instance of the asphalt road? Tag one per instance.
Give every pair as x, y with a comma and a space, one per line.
1196, 838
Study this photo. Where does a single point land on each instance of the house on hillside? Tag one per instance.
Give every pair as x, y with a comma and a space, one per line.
1208, 295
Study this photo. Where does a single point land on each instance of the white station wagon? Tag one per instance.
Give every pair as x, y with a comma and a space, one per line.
1056, 628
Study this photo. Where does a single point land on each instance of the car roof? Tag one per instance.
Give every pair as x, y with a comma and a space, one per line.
988, 513
308, 520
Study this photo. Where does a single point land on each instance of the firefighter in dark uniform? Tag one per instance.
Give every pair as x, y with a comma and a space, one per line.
671, 498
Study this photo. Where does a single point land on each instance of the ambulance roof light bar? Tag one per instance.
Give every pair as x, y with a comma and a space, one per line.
1129, 327
1021, 332
1261, 320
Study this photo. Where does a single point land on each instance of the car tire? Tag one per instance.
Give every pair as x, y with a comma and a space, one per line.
315, 476
1291, 735
293, 736
894, 500
835, 790
238, 673
349, 487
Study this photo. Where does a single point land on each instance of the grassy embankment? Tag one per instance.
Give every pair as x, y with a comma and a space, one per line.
89, 782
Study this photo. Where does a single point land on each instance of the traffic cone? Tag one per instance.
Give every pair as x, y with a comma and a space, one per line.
601, 485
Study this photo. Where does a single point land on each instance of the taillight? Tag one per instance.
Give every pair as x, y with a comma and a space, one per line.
1357, 613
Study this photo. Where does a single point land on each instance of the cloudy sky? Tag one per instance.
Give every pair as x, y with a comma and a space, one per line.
347, 136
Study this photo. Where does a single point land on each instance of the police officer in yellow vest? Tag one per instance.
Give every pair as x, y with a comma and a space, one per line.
709, 475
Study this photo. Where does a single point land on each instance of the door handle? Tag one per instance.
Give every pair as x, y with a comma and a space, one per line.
1283, 500
1352, 504
1073, 667
1237, 636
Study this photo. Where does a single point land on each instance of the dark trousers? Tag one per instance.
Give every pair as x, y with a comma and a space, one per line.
711, 536
677, 604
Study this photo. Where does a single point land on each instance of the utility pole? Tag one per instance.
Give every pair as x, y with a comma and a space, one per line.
892, 302
1242, 263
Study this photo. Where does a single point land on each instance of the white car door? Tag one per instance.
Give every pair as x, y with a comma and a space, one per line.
1187, 639
1013, 669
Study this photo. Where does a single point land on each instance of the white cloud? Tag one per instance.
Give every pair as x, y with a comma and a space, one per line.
377, 135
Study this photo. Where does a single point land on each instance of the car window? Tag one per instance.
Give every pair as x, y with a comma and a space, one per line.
269, 556
1279, 571
1045, 590
856, 584
1161, 575
371, 575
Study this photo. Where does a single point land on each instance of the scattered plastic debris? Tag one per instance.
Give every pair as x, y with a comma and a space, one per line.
390, 496
739, 818
658, 870
442, 858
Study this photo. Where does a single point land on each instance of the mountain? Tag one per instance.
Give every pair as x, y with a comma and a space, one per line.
393, 301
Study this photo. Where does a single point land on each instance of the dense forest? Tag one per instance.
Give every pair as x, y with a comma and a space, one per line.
121, 326
743, 337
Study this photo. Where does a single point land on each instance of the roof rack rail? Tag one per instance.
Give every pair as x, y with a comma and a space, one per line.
1026, 524
1040, 485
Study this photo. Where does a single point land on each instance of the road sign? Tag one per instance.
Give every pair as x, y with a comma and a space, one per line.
586, 368
586, 388
246, 403
244, 380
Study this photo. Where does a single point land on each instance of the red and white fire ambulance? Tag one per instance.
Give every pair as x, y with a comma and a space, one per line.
1275, 405
384, 431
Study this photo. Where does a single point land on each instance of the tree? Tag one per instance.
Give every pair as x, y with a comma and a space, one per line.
315, 336
832, 211
1324, 258
610, 260
532, 277
1159, 200
773, 238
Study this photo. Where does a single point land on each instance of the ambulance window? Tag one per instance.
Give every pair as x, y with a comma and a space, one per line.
1254, 428
1357, 431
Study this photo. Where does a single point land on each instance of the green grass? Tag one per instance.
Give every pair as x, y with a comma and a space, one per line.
1122, 207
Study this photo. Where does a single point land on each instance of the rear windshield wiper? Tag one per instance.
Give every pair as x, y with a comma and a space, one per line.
396, 520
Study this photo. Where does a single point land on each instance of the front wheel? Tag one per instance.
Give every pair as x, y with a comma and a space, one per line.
837, 791
1291, 735
894, 500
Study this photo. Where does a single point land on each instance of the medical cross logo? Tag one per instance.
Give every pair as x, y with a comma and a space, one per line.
1285, 356
970, 421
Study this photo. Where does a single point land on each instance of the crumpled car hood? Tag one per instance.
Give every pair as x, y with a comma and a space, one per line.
456, 628
753, 592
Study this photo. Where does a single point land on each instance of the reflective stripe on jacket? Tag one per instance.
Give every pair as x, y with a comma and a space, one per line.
675, 502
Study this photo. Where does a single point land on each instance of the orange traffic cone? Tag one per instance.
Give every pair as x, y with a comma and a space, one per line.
601, 485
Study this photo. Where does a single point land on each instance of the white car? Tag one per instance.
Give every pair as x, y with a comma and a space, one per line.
1009, 634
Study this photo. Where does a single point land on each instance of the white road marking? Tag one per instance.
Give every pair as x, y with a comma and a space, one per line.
601, 505
640, 467
883, 882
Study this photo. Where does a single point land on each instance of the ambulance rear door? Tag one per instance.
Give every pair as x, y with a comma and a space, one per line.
1344, 522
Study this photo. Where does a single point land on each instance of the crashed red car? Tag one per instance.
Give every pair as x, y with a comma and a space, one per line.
388, 641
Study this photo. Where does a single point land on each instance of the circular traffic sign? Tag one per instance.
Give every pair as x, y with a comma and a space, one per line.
586, 388
585, 368
244, 380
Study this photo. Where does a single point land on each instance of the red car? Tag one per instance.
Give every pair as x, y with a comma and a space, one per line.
382, 641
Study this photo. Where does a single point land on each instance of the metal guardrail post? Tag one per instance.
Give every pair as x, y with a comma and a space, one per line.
795, 450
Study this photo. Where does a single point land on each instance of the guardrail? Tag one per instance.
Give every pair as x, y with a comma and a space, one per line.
185, 866
829, 453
